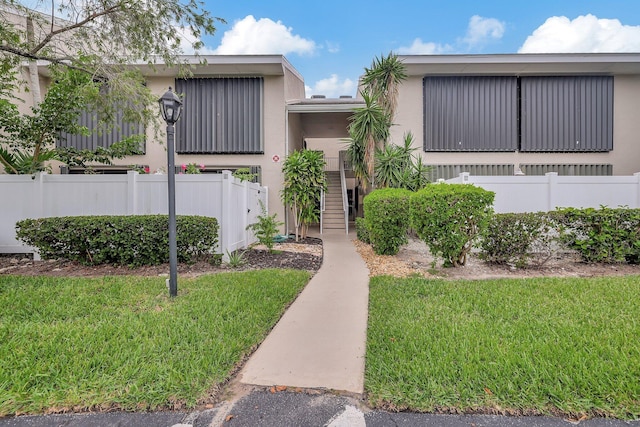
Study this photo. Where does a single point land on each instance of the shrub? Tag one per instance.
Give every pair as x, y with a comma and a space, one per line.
124, 240
449, 217
601, 235
386, 215
518, 239
362, 232
266, 228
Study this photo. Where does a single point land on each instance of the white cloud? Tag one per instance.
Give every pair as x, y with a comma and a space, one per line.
332, 87
263, 36
332, 47
482, 30
418, 47
584, 34
186, 42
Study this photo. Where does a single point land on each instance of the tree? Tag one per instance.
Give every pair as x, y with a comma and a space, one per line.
369, 127
383, 79
304, 182
397, 167
27, 141
100, 39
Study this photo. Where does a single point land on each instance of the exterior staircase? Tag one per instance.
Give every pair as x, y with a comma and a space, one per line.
333, 215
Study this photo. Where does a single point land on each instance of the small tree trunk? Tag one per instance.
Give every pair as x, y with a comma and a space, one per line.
34, 77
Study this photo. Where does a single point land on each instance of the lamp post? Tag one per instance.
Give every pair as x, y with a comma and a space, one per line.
171, 108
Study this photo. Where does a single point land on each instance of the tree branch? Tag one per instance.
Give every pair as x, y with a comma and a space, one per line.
90, 18
28, 55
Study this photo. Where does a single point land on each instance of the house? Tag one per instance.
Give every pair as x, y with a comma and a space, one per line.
485, 114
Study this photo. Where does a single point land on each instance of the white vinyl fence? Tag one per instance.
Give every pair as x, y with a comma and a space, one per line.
550, 191
234, 203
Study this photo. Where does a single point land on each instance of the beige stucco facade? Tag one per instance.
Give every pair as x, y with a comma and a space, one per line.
281, 82
625, 69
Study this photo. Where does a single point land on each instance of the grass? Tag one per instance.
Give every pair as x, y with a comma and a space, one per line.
77, 343
528, 346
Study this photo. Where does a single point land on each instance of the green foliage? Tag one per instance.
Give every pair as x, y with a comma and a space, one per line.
449, 218
383, 80
120, 342
102, 37
518, 239
362, 231
386, 214
369, 126
27, 142
266, 228
601, 235
396, 167
81, 157
304, 182
192, 169
244, 174
124, 240
236, 259
91, 73
368, 129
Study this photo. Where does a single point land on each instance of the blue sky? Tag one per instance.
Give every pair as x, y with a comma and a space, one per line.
330, 42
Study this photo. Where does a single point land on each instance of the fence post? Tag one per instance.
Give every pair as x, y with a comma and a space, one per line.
552, 185
132, 192
637, 175
225, 220
244, 222
39, 182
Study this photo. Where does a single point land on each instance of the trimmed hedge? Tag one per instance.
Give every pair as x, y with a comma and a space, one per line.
518, 239
362, 232
386, 215
601, 235
124, 240
449, 218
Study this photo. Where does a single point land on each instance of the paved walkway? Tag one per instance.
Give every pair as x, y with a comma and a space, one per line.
320, 341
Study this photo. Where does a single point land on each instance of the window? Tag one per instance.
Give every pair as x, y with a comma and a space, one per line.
470, 113
567, 113
97, 138
220, 115
531, 114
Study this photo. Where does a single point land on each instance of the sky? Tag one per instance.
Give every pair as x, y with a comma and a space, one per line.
330, 42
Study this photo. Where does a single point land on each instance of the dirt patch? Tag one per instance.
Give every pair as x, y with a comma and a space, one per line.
305, 254
415, 259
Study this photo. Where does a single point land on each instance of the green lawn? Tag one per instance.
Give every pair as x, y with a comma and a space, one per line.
528, 345
121, 342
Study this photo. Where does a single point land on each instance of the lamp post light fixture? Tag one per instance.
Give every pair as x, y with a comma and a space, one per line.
171, 108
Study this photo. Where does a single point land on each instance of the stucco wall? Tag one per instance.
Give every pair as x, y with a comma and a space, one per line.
625, 156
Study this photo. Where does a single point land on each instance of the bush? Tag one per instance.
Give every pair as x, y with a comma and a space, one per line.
449, 217
124, 240
601, 235
362, 232
386, 215
266, 228
518, 239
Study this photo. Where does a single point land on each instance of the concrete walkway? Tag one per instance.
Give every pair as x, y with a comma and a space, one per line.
320, 341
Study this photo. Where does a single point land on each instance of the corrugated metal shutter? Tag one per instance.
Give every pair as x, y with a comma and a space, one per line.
220, 115
468, 113
568, 169
453, 170
97, 139
564, 114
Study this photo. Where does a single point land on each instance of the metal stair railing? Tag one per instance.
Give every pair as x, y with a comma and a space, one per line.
343, 184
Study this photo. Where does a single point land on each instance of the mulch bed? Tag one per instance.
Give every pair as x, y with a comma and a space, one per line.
306, 254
